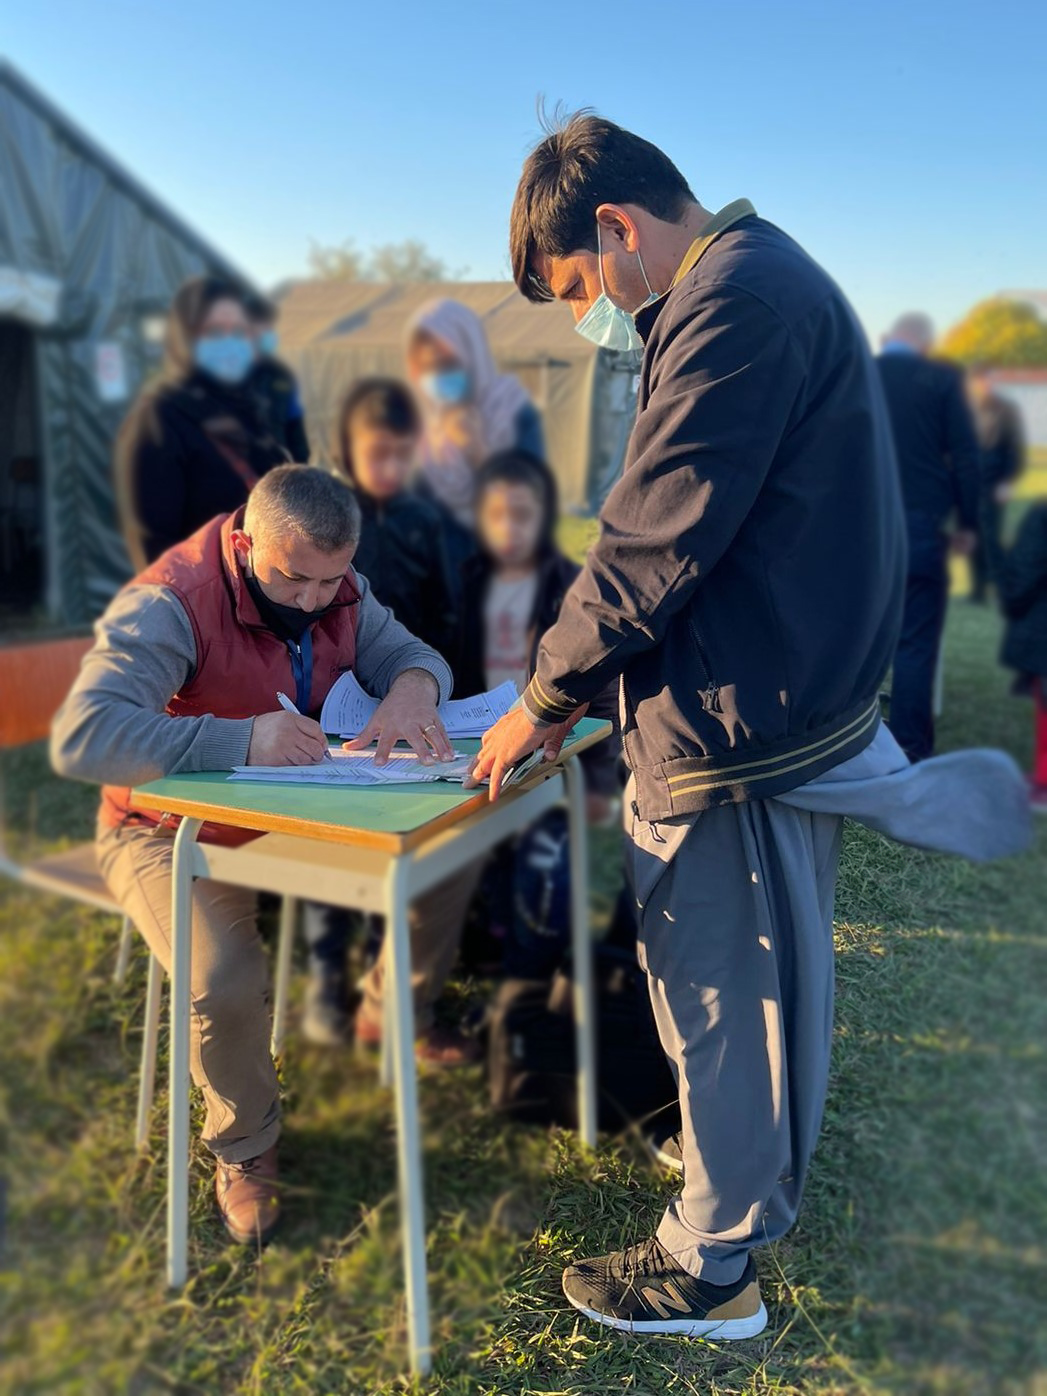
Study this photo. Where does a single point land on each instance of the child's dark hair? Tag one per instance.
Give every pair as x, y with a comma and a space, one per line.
522, 468
385, 403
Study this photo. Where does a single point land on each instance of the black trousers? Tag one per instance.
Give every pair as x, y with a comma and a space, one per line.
989, 526
916, 658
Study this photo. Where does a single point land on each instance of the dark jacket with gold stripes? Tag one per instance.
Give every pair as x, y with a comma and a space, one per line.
747, 583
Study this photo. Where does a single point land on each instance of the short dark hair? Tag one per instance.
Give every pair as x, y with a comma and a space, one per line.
583, 162
306, 500
516, 467
385, 403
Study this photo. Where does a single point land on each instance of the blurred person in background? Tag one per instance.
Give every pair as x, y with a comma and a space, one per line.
193, 444
274, 385
470, 411
184, 676
401, 553
1019, 574
939, 463
1001, 441
746, 586
514, 588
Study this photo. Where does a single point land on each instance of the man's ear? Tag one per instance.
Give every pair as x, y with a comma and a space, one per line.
241, 544
617, 222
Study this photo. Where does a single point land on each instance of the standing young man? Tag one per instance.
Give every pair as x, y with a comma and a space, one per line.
747, 586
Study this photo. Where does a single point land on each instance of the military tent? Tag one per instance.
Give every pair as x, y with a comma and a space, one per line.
334, 332
89, 261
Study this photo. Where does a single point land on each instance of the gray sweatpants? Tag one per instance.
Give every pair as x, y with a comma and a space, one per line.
736, 935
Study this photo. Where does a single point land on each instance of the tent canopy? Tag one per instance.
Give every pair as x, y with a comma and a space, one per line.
88, 260
334, 332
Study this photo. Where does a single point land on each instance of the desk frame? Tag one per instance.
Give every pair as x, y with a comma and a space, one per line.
383, 881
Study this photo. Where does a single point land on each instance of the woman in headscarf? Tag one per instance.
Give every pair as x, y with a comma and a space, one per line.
471, 411
193, 444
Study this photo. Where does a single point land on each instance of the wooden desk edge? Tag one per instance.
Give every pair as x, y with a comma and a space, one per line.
263, 823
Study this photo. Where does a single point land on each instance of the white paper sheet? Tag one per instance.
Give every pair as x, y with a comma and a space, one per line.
348, 709
358, 768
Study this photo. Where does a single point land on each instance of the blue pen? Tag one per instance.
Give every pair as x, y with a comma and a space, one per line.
289, 707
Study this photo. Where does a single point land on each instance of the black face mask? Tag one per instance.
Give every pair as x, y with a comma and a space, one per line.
288, 622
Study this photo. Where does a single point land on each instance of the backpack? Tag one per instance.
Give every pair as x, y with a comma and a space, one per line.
531, 1060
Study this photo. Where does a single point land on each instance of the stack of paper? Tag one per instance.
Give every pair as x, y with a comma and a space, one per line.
348, 709
358, 768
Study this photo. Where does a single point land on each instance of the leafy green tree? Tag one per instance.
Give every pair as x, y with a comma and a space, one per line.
1000, 333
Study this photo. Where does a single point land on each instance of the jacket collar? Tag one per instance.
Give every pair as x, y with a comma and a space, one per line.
718, 224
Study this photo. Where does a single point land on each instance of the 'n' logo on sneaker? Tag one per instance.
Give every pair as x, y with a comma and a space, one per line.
666, 1298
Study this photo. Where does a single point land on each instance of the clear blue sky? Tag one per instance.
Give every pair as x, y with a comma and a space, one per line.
904, 144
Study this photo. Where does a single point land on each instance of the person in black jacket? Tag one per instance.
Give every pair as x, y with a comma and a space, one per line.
401, 553
938, 460
402, 550
193, 444
746, 587
274, 386
1001, 441
1020, 577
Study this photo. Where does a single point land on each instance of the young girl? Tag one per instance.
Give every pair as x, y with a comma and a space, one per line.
513, 589
1020, 574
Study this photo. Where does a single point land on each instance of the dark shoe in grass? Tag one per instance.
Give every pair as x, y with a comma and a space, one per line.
327, 1021
247, 1198
667, 1148
643, 1290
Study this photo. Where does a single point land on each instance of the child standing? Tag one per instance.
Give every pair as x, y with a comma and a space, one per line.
402, 550
401, 553
1020, 574
513, 589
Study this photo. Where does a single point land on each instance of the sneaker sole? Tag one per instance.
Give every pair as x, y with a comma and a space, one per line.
727, 1330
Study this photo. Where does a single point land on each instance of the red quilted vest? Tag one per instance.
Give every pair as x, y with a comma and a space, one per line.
240, 663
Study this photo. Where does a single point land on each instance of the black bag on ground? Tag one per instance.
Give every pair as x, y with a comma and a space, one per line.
531, 1059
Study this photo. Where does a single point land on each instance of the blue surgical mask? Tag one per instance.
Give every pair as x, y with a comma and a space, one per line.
267, 342
445, 387
227, 357
606, 324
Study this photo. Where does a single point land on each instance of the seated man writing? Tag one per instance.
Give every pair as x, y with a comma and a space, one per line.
184, 675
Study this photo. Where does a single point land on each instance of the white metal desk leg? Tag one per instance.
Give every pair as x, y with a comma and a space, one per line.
582, 952
282, 985
178, 1119
386, 1048
150, 1037
412, 1190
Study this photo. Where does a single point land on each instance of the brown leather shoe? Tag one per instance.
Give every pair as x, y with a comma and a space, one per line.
248, 1199
435, 1046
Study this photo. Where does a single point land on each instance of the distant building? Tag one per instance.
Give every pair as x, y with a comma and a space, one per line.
1027, 389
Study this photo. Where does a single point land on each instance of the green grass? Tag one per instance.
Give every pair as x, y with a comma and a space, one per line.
920, 1260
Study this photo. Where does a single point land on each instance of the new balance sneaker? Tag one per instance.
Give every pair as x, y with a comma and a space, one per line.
643, 1290
667, 1148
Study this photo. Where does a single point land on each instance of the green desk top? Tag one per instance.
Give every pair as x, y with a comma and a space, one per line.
392, 816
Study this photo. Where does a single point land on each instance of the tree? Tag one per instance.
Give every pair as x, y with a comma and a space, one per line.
1000, 333
393, 261
341, 263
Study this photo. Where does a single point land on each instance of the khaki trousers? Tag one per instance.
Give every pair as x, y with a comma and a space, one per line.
229, 989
